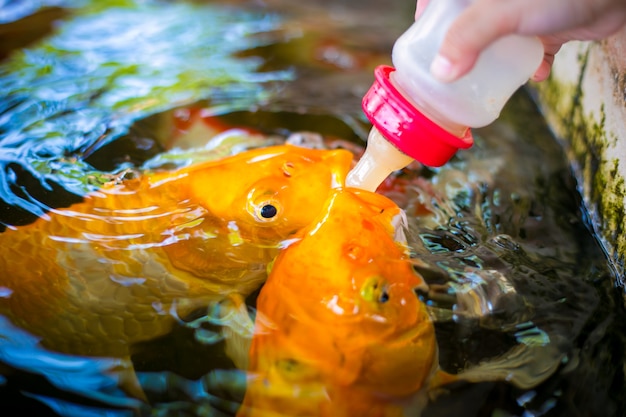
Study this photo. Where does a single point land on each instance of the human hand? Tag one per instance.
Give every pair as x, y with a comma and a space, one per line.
555, 22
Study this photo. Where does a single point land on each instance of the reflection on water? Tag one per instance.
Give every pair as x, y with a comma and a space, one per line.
78, 90
518, 288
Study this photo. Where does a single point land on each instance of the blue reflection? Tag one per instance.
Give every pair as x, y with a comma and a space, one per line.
105, 68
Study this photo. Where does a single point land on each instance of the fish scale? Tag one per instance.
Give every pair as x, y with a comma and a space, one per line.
98, 276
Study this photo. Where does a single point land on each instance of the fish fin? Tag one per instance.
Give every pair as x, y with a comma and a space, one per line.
128, 381
441, 378
237, 330
438, 384
524, 366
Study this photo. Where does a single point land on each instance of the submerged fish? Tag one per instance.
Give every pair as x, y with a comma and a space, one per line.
340, 330
98, 276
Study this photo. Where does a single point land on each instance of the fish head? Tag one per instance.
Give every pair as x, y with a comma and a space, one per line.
267, 194
343, 301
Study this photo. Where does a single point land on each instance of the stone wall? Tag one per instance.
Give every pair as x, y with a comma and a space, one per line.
584, 102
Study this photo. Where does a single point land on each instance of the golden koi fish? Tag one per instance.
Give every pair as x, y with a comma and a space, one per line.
100, 275
340, 330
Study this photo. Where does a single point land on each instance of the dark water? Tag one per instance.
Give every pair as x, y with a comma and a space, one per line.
90, 89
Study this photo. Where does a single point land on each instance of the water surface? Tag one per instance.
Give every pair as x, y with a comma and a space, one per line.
105, 91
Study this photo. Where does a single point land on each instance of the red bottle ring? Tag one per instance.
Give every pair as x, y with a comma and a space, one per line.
407, 128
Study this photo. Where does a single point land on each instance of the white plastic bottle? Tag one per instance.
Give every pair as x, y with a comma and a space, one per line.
417, 117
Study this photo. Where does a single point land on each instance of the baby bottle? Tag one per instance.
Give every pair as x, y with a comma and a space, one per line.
417, 117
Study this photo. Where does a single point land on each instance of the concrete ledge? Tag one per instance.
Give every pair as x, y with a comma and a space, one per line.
584, 101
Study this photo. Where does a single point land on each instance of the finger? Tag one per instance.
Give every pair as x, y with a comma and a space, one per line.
478, 26
419, 8
551, 45
543, 72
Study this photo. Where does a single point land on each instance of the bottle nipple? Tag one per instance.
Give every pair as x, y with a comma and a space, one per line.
400, 134
380, 159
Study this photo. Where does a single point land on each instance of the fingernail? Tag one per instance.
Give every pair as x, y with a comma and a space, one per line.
442, 69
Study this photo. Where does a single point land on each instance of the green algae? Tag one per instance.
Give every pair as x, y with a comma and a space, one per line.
588, 143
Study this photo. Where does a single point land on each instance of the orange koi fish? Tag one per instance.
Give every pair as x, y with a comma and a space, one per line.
98, 276
340, 330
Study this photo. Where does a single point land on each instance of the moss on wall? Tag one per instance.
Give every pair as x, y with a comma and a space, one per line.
589, 145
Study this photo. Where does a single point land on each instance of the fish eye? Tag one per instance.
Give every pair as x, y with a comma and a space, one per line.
264, 202
375, 289
268, 211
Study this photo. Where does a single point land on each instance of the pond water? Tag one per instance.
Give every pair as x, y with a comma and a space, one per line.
95, 90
